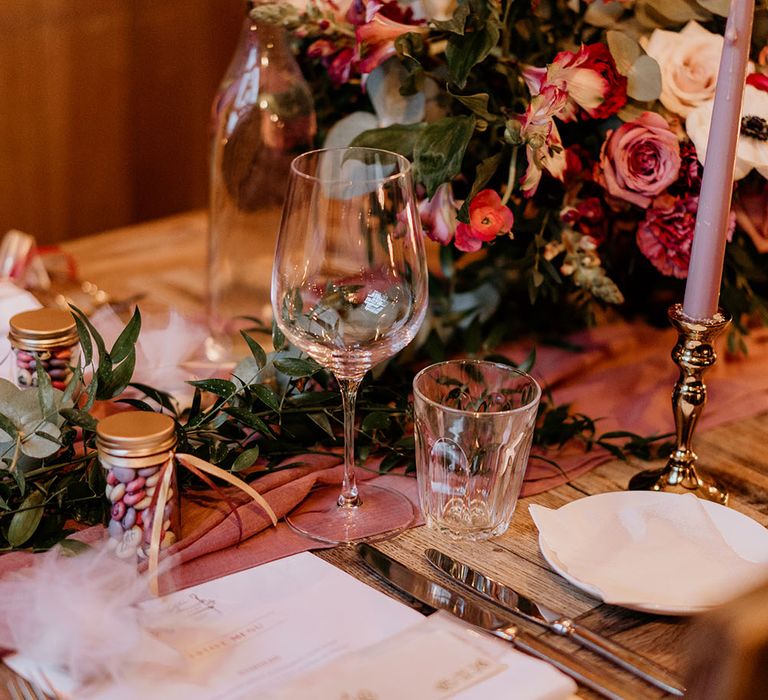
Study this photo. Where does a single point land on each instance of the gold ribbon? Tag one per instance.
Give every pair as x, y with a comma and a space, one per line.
164, 486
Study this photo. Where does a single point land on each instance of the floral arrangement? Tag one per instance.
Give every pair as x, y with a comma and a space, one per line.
557, 145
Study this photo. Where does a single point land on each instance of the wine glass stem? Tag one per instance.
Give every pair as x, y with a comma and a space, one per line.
349, 498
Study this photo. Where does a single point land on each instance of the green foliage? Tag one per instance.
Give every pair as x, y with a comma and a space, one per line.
288, 407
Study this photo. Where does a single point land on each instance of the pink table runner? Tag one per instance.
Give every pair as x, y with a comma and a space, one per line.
623, 375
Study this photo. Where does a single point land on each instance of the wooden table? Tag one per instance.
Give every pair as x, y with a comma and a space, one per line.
165, 259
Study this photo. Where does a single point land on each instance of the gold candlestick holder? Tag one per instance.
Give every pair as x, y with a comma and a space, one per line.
693, 354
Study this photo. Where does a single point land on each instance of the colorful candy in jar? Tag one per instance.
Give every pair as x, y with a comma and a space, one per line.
136, 449
47, 337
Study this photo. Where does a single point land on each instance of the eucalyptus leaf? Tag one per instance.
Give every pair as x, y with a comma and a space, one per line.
7, 426
45, 394
25, 522
603, 14
246, 459
624, 49
439, 151
644, 79
717, 7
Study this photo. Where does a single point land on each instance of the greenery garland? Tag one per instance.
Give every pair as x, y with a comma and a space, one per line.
275, 408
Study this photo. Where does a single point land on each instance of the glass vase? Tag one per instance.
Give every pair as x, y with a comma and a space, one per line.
263, 116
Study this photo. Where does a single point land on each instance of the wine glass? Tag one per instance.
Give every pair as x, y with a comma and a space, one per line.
349, 288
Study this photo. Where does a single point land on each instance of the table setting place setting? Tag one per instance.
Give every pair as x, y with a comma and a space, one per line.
336, 502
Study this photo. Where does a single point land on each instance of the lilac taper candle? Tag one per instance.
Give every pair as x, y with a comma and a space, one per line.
705, 271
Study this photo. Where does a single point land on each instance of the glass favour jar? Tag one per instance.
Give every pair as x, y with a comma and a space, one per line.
45, 336
135, 448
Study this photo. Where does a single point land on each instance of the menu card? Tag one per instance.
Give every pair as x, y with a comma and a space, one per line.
263, 630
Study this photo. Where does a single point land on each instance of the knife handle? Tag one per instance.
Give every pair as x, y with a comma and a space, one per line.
567, 664
621, 656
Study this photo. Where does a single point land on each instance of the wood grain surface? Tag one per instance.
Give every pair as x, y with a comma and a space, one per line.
105, 109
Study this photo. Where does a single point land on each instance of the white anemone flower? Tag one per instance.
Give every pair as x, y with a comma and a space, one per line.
752, 148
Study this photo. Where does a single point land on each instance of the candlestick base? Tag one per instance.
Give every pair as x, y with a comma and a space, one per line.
693, 354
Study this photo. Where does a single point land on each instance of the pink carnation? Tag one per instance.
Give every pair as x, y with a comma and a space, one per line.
640, 159
665, 236
488, 218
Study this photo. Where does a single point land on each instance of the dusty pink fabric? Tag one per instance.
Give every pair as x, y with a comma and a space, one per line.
624, 376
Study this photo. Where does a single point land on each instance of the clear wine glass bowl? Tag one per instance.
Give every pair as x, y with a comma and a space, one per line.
349, 288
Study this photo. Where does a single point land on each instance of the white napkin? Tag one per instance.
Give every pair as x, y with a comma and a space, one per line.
13, 300
655, 550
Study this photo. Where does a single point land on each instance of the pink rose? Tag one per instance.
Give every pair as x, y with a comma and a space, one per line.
666, 235
488, 218
640, 159
438, 215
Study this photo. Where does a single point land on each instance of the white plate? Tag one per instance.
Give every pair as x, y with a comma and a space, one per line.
747, 537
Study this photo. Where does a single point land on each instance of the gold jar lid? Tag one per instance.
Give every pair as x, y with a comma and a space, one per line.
43, 329
135, 434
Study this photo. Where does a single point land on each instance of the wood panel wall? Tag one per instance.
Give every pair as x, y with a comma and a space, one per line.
104, 109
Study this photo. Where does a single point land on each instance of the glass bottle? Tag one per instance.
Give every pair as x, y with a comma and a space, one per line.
263, 116
45, 336
135, 448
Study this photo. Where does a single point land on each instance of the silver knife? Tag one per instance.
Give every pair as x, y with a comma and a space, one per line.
509, 599
437, 596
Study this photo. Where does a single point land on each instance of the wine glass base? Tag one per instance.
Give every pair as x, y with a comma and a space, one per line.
382, 513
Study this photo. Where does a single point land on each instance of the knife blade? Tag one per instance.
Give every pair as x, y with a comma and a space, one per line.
437, 596
518, 604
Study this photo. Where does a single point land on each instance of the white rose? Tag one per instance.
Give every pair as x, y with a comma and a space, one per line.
689, 62
751, 151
